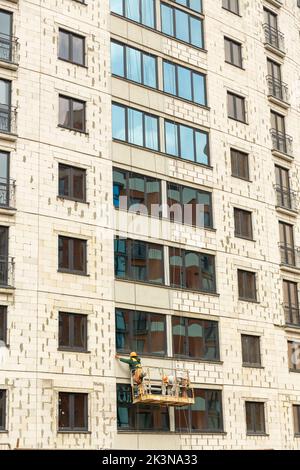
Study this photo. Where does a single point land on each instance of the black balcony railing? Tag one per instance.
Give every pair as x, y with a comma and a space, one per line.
6, 271
277, 89
292, 315
7, 193
8, 119
274, 37
282, 142
8, 49
286, 198
289, 255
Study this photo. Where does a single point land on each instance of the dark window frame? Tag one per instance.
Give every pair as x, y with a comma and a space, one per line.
294, 348
290, 308
3, 402
71, 169
296, 417
239, 223
3, 313
235, 154
190, 17
71, 35
71, 325
140, 14
72, 428
71, 111
189, 6
231, 10
232, 43
287, 250
249, 350
71, 269
245, 274
236, 97
250, 408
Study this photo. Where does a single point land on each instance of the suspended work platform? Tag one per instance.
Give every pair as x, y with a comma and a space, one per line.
158, 387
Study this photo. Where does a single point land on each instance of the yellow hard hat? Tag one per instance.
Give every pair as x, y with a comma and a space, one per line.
133, 354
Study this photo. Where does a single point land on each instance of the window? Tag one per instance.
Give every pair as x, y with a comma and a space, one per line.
139, 261
291, 303
71, 113
184, 83
274, 80
3, 324
71, 182
247, 285
283, 192
195, 5
5, 185
72, 331
4, 261
181, 25
287, 248
272, 33
189, 206
233, 52
251, 350
231, 5
204, 416
136, 193
243, 224
142, 332
72, 255
6, 39
5, 106
139, 418
236, 107
71, 47
195, 338
296, 414
2, 410
239, 164
73, 412
141, 11
135, 127
135, 65
279, 137
294, 356
192, 270
187, 143
255, 417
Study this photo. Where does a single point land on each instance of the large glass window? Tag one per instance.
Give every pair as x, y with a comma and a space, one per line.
139, 261
142, 332
72, 331
204, 416
5, 106
135, 127
149, 418
71, 47
71, 113
141, 11
187, 143
181, 25
135, 192
195, 5
6, 40
184, 83
195, 339
189, 206
73, 412
192, 270
133, 64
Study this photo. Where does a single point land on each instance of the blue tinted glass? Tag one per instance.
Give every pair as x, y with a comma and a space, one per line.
135, 127
184, 83
149, 64
167, 26
199, 88
196, 5
119, 186
117, 59
182, 25
187, 143
202, 147
116, 6
134, 71
148, 13
196, 32
151, 132
171, 137
118, 122
132, 10
182, 2
169, 78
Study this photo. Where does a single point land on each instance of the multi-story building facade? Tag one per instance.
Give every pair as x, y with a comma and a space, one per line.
164, 102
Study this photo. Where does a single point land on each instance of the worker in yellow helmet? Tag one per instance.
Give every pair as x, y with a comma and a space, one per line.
135, 366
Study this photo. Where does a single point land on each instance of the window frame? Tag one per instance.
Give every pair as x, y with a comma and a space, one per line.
71, 169
246, 273
123, 15
239, 223
71, 111
236, 97
250, 407
3, 392
249, 347
192, 73
232, 43
296, 418
236, 154
294, 347
228, 8
71, 255
71, 326
71, 411
71, 35
3, 311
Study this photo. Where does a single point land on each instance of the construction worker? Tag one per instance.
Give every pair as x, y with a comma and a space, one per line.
135, 367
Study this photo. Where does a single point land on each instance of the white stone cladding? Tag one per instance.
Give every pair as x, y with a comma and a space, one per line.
36, 371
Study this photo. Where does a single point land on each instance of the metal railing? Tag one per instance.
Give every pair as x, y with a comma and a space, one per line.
8, 119
282, 142
8, 49
286, 198
274, 37
277, 89
289, 255
7, 271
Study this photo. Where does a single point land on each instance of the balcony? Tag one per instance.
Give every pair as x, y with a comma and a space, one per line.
292, 315
282, 143
8, 119
7, 271
290, 255
277, 90
286, 198
7, 193
8, 49
274, 39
